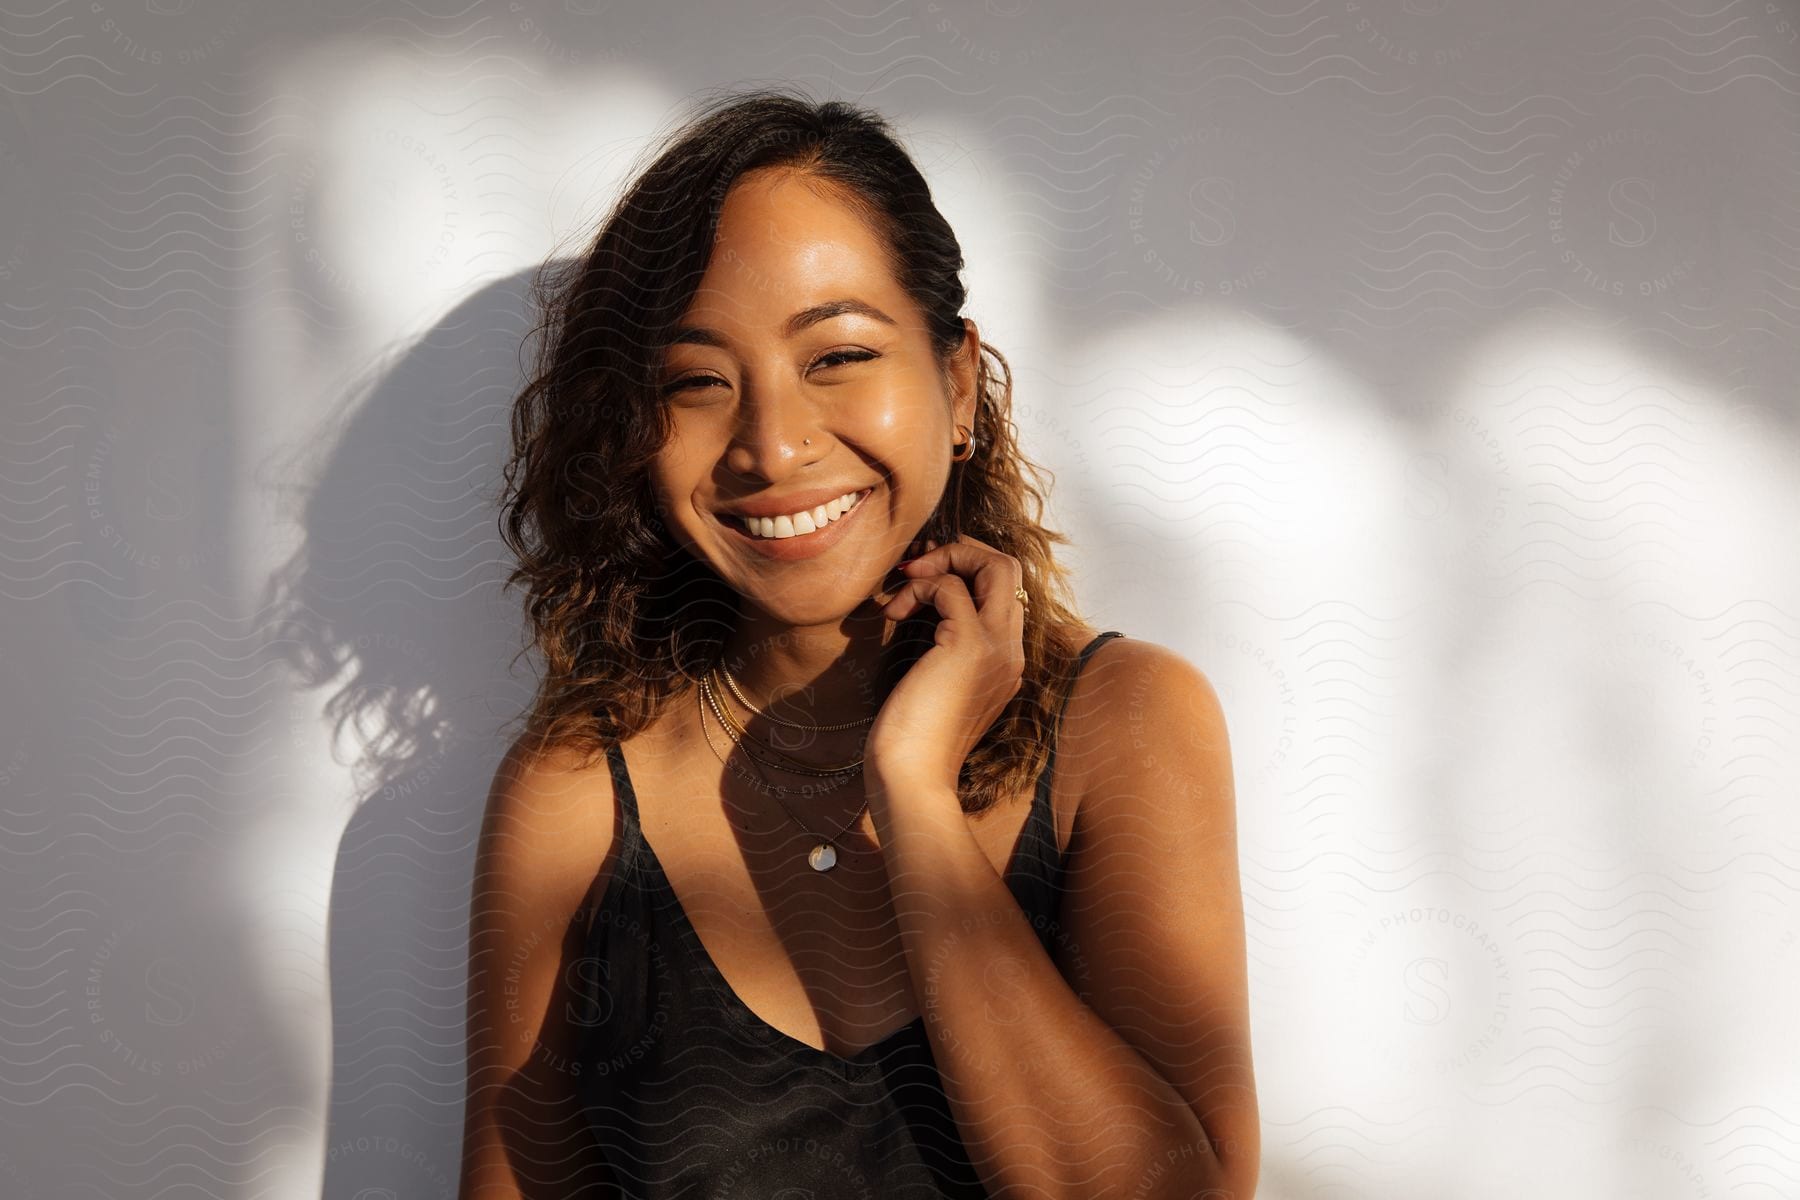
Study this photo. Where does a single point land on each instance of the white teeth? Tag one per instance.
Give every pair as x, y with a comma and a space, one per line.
803, 522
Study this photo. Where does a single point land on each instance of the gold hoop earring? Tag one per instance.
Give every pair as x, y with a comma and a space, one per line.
964, 450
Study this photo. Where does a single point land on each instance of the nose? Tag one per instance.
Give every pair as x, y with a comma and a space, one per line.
771, 435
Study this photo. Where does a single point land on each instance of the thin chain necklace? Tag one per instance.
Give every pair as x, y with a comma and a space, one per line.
732, 686
823, 855
743, 737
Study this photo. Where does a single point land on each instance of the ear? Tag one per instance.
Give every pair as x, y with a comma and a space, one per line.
964, 376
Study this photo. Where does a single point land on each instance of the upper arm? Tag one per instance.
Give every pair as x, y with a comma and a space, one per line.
547, 827
1152, 904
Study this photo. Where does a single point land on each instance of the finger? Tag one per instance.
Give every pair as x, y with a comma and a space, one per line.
1009, 584
975, 541
993, 576
1017, 607
896, 574
946, 593
995, 580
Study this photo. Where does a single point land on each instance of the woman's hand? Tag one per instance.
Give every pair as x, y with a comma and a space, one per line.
947, 699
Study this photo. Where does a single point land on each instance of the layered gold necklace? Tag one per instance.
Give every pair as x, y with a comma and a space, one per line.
762, 754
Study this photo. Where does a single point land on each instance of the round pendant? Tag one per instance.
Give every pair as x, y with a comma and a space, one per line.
823, 857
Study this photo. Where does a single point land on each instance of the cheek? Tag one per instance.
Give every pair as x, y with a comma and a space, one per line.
906, 426
674, 475
669, 504
926, 453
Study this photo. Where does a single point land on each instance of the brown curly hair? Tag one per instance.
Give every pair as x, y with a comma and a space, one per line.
626, 620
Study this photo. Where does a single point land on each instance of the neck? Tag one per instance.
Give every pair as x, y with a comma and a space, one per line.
822, 674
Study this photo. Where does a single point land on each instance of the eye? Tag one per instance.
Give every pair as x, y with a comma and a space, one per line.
838, 358
688, 383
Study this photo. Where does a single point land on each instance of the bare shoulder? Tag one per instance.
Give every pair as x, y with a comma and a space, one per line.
547, 827
533, 779
1131, 672
1138, 704
546, 833
548, 824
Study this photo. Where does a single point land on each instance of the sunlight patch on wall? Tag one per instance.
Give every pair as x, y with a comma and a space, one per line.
408, 187
1627, 589
1584, 465
1231, 458
1003, 261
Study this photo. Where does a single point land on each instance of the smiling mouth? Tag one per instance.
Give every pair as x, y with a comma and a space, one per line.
799, 524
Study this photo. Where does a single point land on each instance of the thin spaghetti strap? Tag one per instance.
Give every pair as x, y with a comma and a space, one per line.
1081, 660
1036, 863
1087, 652
628, 840
615, 760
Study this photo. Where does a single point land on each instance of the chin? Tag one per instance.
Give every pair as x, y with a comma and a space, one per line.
806, 604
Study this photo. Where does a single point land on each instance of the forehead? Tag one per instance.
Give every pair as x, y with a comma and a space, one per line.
786, 241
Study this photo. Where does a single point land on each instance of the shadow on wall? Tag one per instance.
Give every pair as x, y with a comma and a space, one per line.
393, 606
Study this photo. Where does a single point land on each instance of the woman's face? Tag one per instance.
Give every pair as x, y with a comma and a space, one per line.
802, 380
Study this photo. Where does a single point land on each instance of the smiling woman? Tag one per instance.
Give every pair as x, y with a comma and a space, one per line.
825, 860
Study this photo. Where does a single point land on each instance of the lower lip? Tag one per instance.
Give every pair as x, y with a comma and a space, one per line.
801, 545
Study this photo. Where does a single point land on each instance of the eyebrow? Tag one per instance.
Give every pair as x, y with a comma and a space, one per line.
690, 335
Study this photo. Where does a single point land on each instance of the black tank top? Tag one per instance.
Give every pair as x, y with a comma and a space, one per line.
690, 1094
